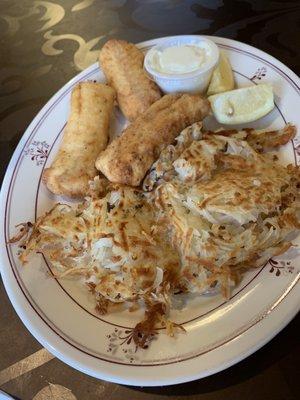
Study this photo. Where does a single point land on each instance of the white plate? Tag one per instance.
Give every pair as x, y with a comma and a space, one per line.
60, 314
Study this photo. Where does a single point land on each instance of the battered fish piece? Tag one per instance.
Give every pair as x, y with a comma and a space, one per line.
122, 64
127, 159
85, 135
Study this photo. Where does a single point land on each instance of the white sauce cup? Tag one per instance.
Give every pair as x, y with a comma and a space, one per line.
191, 82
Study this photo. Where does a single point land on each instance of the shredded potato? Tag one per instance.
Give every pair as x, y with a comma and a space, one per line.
212, 207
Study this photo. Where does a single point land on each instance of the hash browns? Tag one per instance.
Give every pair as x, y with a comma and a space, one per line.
217, 208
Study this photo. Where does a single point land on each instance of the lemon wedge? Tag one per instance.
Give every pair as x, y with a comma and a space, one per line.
242, 105
222, 77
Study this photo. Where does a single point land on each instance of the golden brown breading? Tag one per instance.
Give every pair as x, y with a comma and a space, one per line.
127, 159
122, 64
85, 135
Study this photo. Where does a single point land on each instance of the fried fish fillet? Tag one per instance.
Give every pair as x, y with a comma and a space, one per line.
127, 159
122, 64
85, 135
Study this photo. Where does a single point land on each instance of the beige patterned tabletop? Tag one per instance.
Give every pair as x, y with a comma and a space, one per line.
45, 43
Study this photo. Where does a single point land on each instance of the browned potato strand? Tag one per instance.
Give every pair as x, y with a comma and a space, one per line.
85, 135
127, 159
262, 141
122, 64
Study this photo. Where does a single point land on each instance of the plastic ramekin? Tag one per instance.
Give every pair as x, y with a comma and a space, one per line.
191, 82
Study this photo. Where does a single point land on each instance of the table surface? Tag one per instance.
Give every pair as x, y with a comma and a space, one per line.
43, 44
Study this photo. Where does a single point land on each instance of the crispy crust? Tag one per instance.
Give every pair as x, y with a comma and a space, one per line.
271, 139
127, 159
195, 233
122, 64
261, 140
85, 135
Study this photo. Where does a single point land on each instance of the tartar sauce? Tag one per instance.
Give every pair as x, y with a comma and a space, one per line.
181, 59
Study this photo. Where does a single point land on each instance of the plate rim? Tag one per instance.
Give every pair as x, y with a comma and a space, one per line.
60, 349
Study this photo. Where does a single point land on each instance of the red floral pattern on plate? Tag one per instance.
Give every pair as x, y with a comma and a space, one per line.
38, 151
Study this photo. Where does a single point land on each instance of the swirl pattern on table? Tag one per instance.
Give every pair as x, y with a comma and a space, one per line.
55, 39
